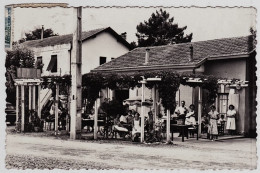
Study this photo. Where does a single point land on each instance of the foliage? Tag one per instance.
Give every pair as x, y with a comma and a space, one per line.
92, 83
36, 34
160, 30
18, 57
112, 108
63, 81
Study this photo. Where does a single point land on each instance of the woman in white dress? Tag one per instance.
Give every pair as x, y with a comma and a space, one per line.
190, 116
213, 123
190, 120
231, 119
136, 131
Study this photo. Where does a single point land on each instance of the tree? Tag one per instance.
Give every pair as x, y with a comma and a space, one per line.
160, 30
36, 34
18, 57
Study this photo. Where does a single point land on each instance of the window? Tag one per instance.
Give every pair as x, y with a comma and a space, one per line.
53, 64
102, 60
223, 104
39, 59
38, 63
112, 58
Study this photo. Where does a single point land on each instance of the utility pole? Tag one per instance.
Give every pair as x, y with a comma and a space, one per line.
76, 76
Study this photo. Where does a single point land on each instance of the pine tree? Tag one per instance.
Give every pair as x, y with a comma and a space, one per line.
160, 30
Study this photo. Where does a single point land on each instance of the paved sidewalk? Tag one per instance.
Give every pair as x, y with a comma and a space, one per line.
202, 154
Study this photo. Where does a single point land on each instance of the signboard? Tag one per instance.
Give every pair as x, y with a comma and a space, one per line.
8, 27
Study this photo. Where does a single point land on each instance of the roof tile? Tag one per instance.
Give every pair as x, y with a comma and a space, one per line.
179, 54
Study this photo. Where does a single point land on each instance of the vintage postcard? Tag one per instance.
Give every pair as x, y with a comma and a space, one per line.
155, 88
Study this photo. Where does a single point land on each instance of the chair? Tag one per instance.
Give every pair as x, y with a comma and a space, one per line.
221, 128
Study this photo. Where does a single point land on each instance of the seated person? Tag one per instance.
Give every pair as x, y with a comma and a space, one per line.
129, 117
136, 131
124, 122
190, 116
150, 121
118, 126
158, 127
92, 114
123, 119
190, 120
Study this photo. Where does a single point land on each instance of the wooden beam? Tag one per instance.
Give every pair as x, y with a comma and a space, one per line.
57, 108
96, 119
142, 110
33, 97
76, 62
22, 108
30, 97
168, 125
17, 103
154, 103
39, 102
199, 109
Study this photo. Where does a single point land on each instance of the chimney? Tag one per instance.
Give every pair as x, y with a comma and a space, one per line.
123, 35
146, 56
42, 32
191, 53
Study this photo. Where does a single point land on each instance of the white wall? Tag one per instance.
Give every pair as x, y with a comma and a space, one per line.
63, 58
103, 44
184, 93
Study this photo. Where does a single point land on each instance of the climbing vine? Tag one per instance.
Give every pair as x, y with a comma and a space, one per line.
92, 83
63, 81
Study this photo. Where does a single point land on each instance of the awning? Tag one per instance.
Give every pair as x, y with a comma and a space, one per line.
53, 64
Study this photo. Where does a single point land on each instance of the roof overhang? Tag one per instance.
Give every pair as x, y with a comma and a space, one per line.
145, 68
177, 67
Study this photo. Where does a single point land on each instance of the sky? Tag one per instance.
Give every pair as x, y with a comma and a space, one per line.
204, 23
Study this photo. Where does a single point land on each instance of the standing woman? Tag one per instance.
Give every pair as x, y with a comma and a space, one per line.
231, 119
213, 123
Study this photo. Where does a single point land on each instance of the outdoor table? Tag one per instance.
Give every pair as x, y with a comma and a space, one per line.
183, 127
90, 122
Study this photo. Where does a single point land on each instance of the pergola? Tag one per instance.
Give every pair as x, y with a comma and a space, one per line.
195, 81
27, 77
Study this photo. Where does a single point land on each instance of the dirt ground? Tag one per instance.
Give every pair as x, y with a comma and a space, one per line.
32, 151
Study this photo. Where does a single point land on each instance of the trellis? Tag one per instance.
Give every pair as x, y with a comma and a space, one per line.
98, 81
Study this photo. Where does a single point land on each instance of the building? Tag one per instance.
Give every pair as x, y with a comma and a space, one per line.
227, 58
98, 47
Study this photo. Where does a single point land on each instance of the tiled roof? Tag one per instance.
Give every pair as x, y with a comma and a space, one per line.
65, 39
179, 54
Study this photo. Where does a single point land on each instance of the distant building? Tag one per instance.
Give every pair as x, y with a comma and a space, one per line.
98, 47
230, 58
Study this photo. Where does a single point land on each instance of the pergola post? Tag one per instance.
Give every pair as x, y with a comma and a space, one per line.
96, 119
30, 97
76, 76
154, 103
142, 109
57, 108
17, 103
199, 111
39, 101
168, 125
22, 108
33, 97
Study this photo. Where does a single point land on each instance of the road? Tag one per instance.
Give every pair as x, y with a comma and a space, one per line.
45, 152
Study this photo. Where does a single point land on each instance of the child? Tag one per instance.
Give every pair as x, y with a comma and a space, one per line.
221, 119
